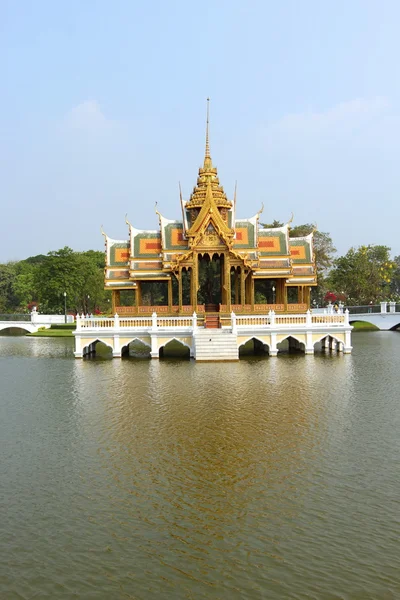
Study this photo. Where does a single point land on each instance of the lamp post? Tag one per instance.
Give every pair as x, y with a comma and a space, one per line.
65, 307
273, 294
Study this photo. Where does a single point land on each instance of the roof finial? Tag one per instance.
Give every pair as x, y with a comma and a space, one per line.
208, 121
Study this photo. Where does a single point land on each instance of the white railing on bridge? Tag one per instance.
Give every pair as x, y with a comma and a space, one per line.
155, 323
383, 307
273, 320
143, 323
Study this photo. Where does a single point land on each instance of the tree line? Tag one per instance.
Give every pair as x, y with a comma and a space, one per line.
76, 279
43, 280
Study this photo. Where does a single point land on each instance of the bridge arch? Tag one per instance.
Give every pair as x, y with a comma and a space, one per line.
181, 342
93, 343
27, 327
289, 339
146, 345
263, 345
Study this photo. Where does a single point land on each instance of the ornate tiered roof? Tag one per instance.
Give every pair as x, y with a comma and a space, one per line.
209, 225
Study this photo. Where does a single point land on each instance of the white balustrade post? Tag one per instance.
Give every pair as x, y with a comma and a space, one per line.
233, 321
346, 317
308, 318
116, 321
78, 322
154, 321
392, 307
194, 322
34, 315
383, 307
272, 317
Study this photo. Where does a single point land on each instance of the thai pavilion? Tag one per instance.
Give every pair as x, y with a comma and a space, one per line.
209, 262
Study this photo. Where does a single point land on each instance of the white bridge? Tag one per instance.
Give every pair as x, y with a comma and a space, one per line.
385, 316
31, 322
303, 331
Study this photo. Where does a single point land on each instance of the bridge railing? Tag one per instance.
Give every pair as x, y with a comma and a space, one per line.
381, 308
152, 322
365, 309
16, 317
289, 321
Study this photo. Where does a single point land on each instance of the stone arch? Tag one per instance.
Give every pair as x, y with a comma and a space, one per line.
94, 342
261, 348
173, 339
372, 325
24, 327
125, 346
136, 339
326, 336
293, 337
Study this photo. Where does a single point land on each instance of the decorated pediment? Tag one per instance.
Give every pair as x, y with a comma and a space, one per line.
210, 238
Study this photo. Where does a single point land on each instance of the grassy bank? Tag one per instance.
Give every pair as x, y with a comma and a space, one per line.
59, 330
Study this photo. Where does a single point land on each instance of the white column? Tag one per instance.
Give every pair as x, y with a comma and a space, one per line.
154, 346
383, 307
309, 340
78, 347
347, 343
392, 307
117, 346
273, 349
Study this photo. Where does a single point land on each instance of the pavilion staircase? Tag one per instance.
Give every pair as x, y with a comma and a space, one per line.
211, 344
211, 320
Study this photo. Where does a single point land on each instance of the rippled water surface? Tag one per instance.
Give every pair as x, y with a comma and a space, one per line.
263, 479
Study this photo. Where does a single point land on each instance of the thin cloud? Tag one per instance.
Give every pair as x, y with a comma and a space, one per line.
86, 116
338, 121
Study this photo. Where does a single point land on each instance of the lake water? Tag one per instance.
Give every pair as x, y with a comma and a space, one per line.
268, 479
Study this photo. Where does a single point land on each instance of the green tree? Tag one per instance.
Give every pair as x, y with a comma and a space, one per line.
395, 282
324, 251
24, 287
8, 301
364, 274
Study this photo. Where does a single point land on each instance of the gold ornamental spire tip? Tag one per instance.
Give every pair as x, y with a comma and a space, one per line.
207, 128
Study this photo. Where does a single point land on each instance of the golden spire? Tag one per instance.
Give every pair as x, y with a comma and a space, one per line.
207, 128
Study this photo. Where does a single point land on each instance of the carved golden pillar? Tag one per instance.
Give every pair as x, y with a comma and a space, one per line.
252, 291
227, 277
116, 300
194, 282
139, 294
170, 294
242, 287
284, 295
236, 287
280, 286
306, 296
180, 289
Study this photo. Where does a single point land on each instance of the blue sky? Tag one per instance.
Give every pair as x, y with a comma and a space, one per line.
102, 113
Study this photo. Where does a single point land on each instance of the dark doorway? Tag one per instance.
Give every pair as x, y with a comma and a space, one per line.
210, 274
